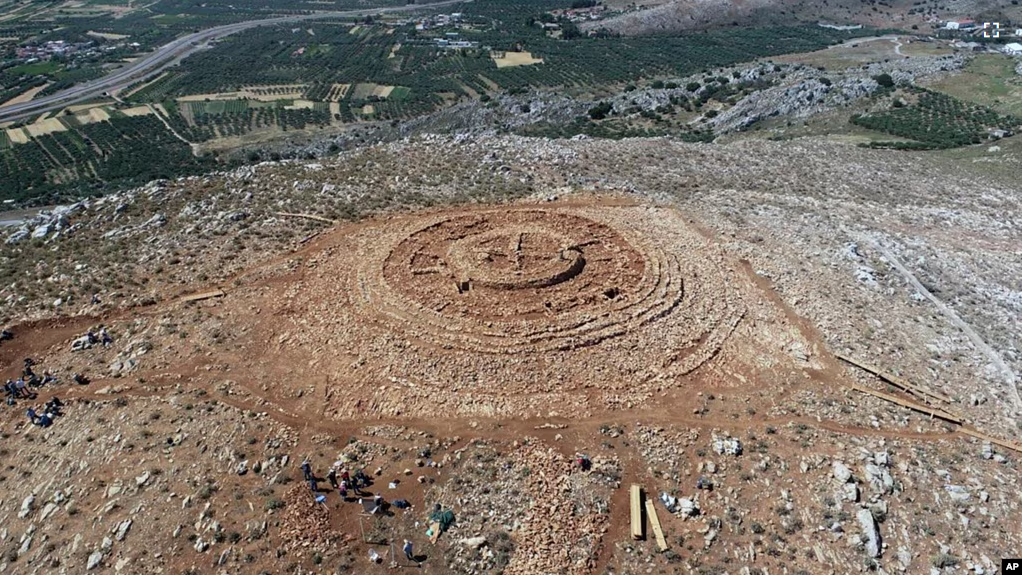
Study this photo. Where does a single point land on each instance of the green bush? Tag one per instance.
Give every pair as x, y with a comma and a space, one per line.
600, 111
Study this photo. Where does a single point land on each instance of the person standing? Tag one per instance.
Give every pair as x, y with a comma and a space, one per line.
332, 478
407, 549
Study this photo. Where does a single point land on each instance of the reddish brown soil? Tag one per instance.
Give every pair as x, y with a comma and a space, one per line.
489, 323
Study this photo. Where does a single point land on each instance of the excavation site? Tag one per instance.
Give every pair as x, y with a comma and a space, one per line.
584, 357
519, 310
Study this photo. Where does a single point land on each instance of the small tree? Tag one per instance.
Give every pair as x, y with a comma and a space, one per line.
600, 111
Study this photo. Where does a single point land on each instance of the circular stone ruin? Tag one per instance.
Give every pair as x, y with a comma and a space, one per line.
531, 280
511, 310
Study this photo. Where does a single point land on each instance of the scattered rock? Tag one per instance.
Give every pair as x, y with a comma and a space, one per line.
475, 542
957, 493
728, 445
987, 451
26, 506
850, 492
25, 545
94, 559
840, 471
49, 509
868, 526
122, 530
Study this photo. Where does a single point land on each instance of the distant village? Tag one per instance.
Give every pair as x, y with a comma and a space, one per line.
971, 29
552, 23
63, 49
451, 39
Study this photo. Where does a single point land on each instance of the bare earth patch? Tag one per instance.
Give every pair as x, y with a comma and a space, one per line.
505, 59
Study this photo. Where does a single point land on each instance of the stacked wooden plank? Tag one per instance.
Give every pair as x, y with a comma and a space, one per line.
655, 523
636, 504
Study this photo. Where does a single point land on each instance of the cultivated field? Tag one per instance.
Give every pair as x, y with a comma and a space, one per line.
264, 93
506, 59
337, 92
25, 96
363, 91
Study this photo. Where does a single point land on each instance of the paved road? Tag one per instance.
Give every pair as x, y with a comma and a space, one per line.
167, 54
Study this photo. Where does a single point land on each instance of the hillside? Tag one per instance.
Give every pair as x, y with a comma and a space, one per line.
461, 316
682, 15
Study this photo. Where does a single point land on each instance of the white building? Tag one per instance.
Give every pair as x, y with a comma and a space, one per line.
960, 25
1014, 49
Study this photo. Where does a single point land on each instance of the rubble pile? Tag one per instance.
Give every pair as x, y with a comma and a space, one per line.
305, 524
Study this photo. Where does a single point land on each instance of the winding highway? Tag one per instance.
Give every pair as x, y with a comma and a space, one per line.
167, 54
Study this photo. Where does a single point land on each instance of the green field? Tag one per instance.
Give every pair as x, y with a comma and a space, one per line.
219, 106
317, 50
171, 18
933, 120
987, 79
35, 68
133, 151
425, 77
399, 93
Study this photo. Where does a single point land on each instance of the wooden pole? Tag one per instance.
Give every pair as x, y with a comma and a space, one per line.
203, 296
911, 405
636, 507
895, 380
307, 217
655, 523
991, 439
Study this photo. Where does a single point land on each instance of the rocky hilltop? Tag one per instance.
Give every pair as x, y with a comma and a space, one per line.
698, 300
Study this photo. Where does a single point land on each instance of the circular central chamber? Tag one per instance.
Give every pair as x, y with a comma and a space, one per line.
514, 258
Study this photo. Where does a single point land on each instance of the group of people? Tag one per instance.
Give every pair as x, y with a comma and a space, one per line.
50, 411
91, 338
22, 387
341, 480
